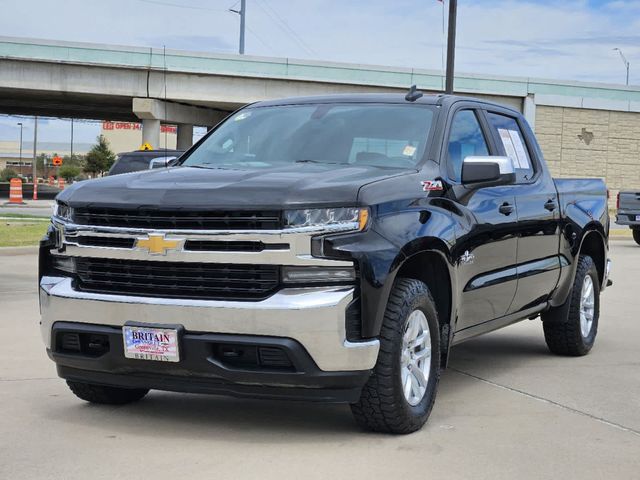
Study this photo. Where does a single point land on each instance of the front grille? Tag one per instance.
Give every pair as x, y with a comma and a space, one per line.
221, 246
178, 219
111, 242
177, 279
245, 357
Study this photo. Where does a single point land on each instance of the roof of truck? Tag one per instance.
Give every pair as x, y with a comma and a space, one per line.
426, 99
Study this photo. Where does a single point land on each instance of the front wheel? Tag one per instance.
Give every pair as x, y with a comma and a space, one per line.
636, 235
575, 334
105, 394
400, 393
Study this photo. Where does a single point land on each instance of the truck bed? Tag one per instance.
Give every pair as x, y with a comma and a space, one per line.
585, 194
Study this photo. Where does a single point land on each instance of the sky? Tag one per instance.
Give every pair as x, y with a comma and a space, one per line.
566, 40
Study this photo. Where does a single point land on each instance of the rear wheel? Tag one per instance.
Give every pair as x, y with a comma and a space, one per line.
636, 235
576, 333
400, 393
105, 394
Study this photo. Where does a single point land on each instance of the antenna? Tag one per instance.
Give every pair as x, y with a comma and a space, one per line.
413, 94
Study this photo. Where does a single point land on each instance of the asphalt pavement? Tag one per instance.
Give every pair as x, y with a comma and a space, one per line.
36, 208
506, 409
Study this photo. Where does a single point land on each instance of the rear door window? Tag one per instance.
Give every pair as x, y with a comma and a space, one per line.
511, 142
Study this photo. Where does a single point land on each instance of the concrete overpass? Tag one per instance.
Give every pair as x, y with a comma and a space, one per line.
83, 80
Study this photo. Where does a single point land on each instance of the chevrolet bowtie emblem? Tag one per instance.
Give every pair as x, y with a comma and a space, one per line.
156, 244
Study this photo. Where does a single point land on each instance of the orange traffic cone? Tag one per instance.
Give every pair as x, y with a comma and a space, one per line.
15, 191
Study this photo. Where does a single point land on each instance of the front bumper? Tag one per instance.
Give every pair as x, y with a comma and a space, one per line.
289, 373
313, 318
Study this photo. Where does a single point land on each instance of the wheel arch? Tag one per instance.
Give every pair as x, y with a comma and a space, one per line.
432, 268
594, 245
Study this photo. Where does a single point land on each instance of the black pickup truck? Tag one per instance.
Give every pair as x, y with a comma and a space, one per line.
328, 248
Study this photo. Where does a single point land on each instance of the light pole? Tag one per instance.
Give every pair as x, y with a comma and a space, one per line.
35, 152
451, 46
242, 13
20, 161
625, 61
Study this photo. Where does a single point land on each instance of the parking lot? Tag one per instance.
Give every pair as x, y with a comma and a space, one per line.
506, 409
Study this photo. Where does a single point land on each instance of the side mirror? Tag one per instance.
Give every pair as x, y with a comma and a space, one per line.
488, 171
161, 162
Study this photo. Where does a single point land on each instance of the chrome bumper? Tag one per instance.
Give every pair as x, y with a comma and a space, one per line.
315, 317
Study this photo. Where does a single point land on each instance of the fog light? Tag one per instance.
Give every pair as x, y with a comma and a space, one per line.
318, 274
64, 264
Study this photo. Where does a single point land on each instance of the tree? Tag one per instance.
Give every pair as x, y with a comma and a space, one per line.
69, 172
75, 160
7, 174
100, 158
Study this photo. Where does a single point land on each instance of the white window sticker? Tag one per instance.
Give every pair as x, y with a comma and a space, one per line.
514, 148
409, 150
523, 158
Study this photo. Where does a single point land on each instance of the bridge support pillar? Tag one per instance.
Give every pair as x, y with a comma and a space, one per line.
185, 136
152, 111
151, 132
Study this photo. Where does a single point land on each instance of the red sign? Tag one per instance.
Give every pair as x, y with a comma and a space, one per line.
135, 126
57, 161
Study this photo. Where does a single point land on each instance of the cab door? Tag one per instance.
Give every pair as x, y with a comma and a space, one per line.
538, 260
486, 244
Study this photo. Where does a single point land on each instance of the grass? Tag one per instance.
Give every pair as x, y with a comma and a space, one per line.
20, 216
21, 232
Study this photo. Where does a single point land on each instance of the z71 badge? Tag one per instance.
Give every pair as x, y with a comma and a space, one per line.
431, 185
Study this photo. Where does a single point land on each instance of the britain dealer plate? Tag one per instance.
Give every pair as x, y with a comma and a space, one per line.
157, 344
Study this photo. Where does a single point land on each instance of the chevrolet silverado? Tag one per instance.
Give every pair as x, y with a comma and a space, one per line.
326, 249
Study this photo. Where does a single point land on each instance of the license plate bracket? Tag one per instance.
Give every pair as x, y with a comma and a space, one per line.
152, 342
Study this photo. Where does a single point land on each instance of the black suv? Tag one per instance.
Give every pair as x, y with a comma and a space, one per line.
144, 160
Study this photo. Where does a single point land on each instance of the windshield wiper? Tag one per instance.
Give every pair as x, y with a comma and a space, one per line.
206, 168
308, 160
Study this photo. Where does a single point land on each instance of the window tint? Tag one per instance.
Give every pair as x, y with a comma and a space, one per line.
465, 140
377, 135
129, 163
512, 144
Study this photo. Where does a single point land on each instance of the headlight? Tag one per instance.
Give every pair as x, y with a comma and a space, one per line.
333, 218
318, 274
63, 211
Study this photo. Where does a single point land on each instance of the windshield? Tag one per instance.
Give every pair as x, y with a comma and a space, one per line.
354, 134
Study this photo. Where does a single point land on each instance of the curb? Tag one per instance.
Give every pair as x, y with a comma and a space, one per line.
11, 251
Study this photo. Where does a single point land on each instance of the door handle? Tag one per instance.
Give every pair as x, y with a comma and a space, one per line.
506, 209
550, 205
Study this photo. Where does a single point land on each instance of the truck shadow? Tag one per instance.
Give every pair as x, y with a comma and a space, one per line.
499, 349
174, 415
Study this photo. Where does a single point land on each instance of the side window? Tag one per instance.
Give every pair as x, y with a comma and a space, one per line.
465, 140
513, 145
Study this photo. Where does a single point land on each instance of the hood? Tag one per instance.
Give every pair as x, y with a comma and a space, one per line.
290, 186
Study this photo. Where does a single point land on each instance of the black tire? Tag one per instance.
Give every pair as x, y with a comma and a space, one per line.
563, 335
636, 235
106, 395
382, 406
